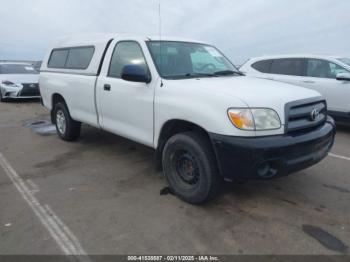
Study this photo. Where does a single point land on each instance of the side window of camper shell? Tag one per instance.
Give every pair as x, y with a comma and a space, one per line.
71, 58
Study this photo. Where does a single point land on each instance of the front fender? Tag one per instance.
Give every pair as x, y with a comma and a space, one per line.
201, 108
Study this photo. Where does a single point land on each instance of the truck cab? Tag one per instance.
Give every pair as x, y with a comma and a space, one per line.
205, 120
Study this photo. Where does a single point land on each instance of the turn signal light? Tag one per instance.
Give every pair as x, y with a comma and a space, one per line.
241, 118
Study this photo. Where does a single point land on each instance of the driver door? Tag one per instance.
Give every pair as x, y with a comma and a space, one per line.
321, 76
126, 108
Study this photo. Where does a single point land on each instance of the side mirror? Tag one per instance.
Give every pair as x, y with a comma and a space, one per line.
343, 77
135, 73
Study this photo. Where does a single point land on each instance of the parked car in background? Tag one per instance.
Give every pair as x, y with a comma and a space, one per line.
206, 121
18, 81
37, 65
329, 75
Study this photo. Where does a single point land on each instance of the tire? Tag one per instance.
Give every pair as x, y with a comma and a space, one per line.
2, 99
190, 168
67, 128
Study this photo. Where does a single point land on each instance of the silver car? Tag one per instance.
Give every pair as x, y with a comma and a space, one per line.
18, 81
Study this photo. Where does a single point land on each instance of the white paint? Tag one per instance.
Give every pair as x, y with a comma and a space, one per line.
203, 101
334, 91
339, 156
66, 230
8, 225
64, 238
35, 188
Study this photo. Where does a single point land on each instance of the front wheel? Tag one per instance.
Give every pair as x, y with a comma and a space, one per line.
67, 128
190, 167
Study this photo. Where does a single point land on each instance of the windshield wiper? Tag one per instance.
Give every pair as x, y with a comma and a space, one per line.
216, 74
228, 72
200, 74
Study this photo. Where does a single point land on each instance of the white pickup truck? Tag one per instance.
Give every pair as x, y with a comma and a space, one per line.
206, 121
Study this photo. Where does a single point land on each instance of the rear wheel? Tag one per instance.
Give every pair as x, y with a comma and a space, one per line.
190, 167
67, 128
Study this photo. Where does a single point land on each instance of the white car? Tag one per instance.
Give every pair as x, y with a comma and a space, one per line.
206, 121
328, 75
18, 81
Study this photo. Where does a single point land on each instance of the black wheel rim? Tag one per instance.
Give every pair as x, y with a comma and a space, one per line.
186, 168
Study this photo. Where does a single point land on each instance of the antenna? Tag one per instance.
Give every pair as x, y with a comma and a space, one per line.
160, 42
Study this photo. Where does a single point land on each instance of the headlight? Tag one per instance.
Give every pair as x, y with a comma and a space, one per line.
254, 119
9, 83
266, 119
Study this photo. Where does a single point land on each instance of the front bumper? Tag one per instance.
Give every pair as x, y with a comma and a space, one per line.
272, 156
21, 97
20, 93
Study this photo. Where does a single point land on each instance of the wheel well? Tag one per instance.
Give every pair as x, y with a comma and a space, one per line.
56, 98
172, 128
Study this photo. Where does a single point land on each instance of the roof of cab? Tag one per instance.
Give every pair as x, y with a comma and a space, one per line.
96, 39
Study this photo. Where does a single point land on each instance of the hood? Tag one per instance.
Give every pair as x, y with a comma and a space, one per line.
252, 91
20, 79
243, 91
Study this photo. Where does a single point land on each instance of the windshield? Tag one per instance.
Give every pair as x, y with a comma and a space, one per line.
17, 69
345, 60
176, 60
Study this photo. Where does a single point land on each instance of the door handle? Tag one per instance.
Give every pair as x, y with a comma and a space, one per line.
308, 82
107, 87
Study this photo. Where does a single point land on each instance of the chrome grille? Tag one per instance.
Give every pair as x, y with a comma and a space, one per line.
305, 114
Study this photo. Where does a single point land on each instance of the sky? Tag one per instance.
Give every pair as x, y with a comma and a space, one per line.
241, 29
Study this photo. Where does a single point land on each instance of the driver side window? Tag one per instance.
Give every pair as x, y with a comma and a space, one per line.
335, 69
126, 53
323, 69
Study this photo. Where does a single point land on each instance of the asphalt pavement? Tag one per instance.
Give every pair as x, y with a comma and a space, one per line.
102, 195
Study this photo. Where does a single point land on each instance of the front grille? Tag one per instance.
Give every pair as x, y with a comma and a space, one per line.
300, 115
30, 90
